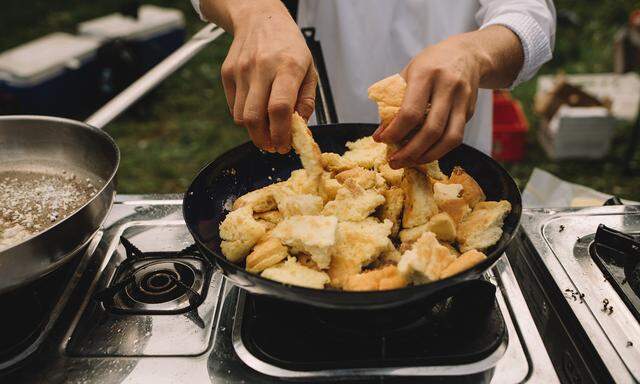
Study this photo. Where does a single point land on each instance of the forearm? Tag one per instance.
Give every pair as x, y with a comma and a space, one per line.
233, 14
498, 53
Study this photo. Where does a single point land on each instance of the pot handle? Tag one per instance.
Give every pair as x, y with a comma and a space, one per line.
155, 76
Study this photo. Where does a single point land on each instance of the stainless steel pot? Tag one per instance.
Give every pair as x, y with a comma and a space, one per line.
31, 143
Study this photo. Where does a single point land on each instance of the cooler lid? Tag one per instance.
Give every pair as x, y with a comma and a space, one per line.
151, 21
45, 57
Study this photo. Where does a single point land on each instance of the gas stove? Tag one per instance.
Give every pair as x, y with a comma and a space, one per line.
578, 269
140, 304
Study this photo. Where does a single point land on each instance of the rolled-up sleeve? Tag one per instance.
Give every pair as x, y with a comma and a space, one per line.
533, 21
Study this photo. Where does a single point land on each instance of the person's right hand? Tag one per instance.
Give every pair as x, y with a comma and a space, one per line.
268, 74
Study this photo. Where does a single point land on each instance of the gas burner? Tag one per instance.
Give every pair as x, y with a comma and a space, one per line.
442, 334
618, 256
157, 282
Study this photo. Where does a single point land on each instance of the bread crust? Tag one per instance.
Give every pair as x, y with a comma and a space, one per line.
466, 261
472, 193
266, 254
381, 279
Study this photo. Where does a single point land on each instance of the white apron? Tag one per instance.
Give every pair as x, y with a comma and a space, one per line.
364, 41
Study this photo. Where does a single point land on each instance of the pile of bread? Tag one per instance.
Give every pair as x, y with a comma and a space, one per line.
351, 222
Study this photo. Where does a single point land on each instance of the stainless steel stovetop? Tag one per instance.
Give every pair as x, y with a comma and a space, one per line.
84, 343
589, 332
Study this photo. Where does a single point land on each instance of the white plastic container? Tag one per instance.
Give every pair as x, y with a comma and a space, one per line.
623, 90
578, 132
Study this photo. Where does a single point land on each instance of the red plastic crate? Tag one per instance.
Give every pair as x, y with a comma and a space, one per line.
510, 128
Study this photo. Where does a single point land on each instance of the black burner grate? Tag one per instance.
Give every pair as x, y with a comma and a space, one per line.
157, 282
618, 256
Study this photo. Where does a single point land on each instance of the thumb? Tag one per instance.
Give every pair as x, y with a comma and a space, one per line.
307, 95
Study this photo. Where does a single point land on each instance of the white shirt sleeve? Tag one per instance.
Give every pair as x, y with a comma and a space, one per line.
196, 6
533, 21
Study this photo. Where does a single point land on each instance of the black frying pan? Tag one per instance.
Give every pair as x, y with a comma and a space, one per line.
245, 168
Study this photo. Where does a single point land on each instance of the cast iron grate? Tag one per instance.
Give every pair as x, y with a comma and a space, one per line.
157, 282
618, 256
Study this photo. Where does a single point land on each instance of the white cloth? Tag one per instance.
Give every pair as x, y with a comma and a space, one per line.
364, 41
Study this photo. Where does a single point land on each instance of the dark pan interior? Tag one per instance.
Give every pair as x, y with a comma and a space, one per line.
245, 168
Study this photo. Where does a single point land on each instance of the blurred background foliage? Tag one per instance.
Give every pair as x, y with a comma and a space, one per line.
184, 123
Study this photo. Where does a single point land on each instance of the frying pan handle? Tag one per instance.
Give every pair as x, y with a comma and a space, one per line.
155, 76
325, 107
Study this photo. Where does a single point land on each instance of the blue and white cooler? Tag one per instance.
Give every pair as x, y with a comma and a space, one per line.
53, 75
133, 45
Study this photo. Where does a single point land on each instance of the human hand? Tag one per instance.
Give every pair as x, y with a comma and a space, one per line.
446, 76
268, 74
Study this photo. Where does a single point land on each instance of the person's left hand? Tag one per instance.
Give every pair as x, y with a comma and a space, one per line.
445, 75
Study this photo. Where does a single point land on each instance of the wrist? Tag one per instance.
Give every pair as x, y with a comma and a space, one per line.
479, 56
244, 13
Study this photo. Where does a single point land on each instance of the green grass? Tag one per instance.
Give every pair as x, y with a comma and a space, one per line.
184, 123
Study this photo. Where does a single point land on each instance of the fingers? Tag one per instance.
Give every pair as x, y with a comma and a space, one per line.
229, 86
254, 115
451, 138
411, 112
282, 100
227, 72
431, 130
307, 96
241, 90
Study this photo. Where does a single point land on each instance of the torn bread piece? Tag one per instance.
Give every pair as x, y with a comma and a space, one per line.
293, 273
265, 254
472, 193
388, 93
366, 152
385, 278
462, 263
328, 187
449, 199
358, 244
419, 204
392, 176
443, 192
366, 178
353, 203
440, 224
260, 200
392, 208
332, 162
426, 259
453, 250
271, 216
266, 224
306, 260
458, 209
482, 228
432, 170
299, 205
239, 232
380, 184
305, 146
314, 235
391, 255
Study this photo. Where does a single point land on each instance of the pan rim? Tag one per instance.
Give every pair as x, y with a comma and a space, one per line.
105, 185
486, 264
